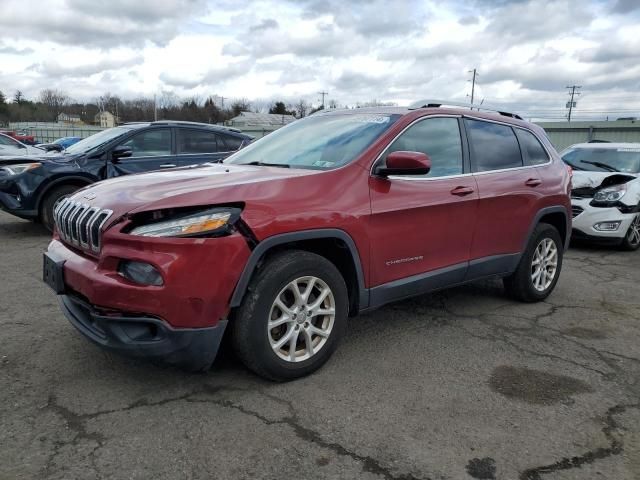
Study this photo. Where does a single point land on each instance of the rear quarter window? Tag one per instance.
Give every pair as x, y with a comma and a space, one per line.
534, 153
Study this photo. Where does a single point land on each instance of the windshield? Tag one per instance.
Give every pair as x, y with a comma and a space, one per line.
626, 159
322, 142
97, 139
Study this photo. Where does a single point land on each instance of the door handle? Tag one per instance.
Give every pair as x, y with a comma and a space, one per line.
533, 182
462, 191
168, 165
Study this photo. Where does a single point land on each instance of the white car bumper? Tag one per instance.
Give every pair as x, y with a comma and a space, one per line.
585, 222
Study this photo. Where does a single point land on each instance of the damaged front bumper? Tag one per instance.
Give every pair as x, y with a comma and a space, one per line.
608, 224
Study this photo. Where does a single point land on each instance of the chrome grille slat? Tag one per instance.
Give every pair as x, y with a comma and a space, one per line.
80, 224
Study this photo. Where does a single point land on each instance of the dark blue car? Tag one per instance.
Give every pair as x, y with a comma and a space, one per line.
30, 186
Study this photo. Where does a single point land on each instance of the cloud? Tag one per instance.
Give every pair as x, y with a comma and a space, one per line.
468, 20
266, 24
526, 51
9, 50
100, 24
213, 76
625, 6
52, 68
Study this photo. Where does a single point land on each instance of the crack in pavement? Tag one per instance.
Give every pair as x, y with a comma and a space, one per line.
616, 447
77, 423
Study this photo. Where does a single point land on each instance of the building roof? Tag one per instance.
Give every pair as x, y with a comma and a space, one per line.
259, 119
609, 145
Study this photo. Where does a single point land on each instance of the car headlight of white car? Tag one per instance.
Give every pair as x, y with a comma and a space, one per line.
610, 194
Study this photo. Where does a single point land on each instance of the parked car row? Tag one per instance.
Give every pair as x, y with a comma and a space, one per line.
31, 188
335, 214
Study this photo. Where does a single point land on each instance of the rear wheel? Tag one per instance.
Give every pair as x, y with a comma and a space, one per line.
51, 200
292, 317
631, 240
539, 268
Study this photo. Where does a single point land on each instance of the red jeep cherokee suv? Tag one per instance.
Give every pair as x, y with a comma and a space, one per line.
335, 214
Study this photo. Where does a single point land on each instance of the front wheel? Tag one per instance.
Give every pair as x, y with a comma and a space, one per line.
51, 201
539, 268
631, 240
292, 317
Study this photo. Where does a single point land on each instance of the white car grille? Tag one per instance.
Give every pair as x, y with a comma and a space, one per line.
80, 224
576, 210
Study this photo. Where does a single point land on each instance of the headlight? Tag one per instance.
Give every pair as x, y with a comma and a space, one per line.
198, 224
20, 167
612, 194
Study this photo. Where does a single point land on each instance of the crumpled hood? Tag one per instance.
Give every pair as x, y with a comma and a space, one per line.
43, 157
594, 180
201, 185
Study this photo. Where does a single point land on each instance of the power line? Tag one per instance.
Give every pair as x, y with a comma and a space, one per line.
571, 102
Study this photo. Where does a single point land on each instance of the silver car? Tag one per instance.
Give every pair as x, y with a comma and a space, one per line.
11, 147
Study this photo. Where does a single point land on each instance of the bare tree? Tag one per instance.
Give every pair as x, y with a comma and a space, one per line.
167, 100
54, 100
240, 105
301, 108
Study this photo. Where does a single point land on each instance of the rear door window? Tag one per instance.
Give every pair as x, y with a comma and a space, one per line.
198, 142
231, 143
532, 150
494, 146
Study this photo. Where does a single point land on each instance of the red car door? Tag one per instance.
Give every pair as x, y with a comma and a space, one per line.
509, 190
424, 223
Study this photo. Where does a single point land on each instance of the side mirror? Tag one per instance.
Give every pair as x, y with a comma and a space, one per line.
404, 163
120, 152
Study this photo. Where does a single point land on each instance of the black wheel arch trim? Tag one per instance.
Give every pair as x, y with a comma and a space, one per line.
546, 211
267, 244
64, 179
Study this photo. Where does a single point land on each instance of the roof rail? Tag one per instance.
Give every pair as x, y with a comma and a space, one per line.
439, 103
201, 124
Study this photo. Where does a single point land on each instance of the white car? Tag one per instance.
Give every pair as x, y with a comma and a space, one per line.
12, 147
605, 194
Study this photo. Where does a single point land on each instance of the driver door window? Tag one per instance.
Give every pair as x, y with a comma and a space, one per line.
152, 143
439, 138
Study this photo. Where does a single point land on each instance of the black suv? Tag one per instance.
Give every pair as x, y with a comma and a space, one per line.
30, 186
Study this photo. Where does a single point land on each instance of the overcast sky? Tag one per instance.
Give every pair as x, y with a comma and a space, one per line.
526, 52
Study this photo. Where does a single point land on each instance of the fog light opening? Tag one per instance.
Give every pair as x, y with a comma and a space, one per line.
607, 226
141, 273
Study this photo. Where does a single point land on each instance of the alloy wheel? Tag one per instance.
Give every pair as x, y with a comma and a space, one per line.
544, 264
633, 235
301, 319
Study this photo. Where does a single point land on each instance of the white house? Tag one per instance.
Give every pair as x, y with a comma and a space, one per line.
105, 119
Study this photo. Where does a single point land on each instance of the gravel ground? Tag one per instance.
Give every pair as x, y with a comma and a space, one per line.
457, 385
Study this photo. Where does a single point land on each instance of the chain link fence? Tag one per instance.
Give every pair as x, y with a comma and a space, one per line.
48, 132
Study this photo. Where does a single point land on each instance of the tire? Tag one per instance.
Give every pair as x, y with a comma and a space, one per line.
50, 201
631, 240
252, 340
523, 285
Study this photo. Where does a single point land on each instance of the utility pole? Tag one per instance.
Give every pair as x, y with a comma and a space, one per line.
323, 94
571, 103
222, 103
473, 83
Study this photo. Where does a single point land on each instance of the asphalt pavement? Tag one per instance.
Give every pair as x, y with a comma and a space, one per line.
462, 384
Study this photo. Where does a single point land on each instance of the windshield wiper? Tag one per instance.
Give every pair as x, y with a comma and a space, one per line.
606, 166
573, 165
265, 164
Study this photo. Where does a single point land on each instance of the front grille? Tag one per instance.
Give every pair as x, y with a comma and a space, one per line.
576, 210
80, 224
